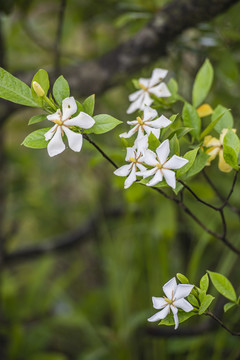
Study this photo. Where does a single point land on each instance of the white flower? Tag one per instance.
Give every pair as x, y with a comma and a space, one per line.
161, 165
147, 124
174, 299
63, 124
134, 157
149, 86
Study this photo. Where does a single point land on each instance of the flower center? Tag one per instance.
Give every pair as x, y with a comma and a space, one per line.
140, 121
170, 302
158, 165
132, 159
143, 87
58, 122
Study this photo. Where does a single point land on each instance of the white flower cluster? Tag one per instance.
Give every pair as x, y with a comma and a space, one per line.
139, 156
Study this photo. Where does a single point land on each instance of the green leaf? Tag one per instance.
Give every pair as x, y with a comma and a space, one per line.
190, 156
204, 282
211, 126
88, 105
193, 300
205, 303
174, 146
202, 83
223, 285
182, 278
61, 90
191, 119
231, 147
37, 118
198, 164
153, 142
172, 86
226, 120
228, 306
41, 77
14, 90
182, 316
136, 84
36, 139
103, 124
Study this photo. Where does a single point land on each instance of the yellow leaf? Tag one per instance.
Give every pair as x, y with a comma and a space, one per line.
204, 110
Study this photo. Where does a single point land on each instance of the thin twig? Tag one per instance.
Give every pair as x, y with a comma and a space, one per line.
100, 150
234, 333
231, 191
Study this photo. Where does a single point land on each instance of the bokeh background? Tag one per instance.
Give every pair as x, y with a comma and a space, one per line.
90, 301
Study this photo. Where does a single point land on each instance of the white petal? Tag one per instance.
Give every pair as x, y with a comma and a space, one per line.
49, 134
170, 177
123, 170
141, 168
160, 90
130, 179
140, 133
174, 311
149, 113
163, 151
158, 302
149, 130
69, 107
159, 315
157, 76
56, 144
137, 104
130, 153
141, 144
147, 101
145, 82
82, 120
134, 122
156, 179
74, 139
170, 287
135, 95
127, 135
148, 173
150, 158
176, 162
55, 116
183, 290
183, 304
159, 123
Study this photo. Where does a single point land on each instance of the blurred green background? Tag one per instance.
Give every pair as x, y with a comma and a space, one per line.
91, 302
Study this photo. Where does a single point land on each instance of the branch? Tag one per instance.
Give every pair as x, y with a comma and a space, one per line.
234, 333
57, 52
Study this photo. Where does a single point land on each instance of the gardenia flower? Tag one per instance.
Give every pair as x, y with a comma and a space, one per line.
147, 124
161, 165
149, 86
216, 147
135, 158
173, 300
63, 124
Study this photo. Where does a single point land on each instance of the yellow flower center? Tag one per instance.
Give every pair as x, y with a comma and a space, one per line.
132, 159
159, 165
170, 302
143, 87
58, 122
140, 121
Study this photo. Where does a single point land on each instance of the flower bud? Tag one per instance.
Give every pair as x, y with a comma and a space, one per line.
38, 89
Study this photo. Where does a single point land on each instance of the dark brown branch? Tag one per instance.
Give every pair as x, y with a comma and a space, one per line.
57, 52
234, 333
231, 190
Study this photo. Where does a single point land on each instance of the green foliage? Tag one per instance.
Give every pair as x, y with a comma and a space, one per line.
198, 165
88, 105
229, 306
14, 90
182, 316
204, 282
212, 125
41, 77
182, 278
225, 121
153, 142
202, 83
103, 124
36, 139
61, 90
192, 120
190, 156
223, 285
206, 301
37, 118
231, 147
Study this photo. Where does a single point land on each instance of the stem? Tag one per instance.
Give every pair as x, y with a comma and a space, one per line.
234, 333
57, 53
50, 103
